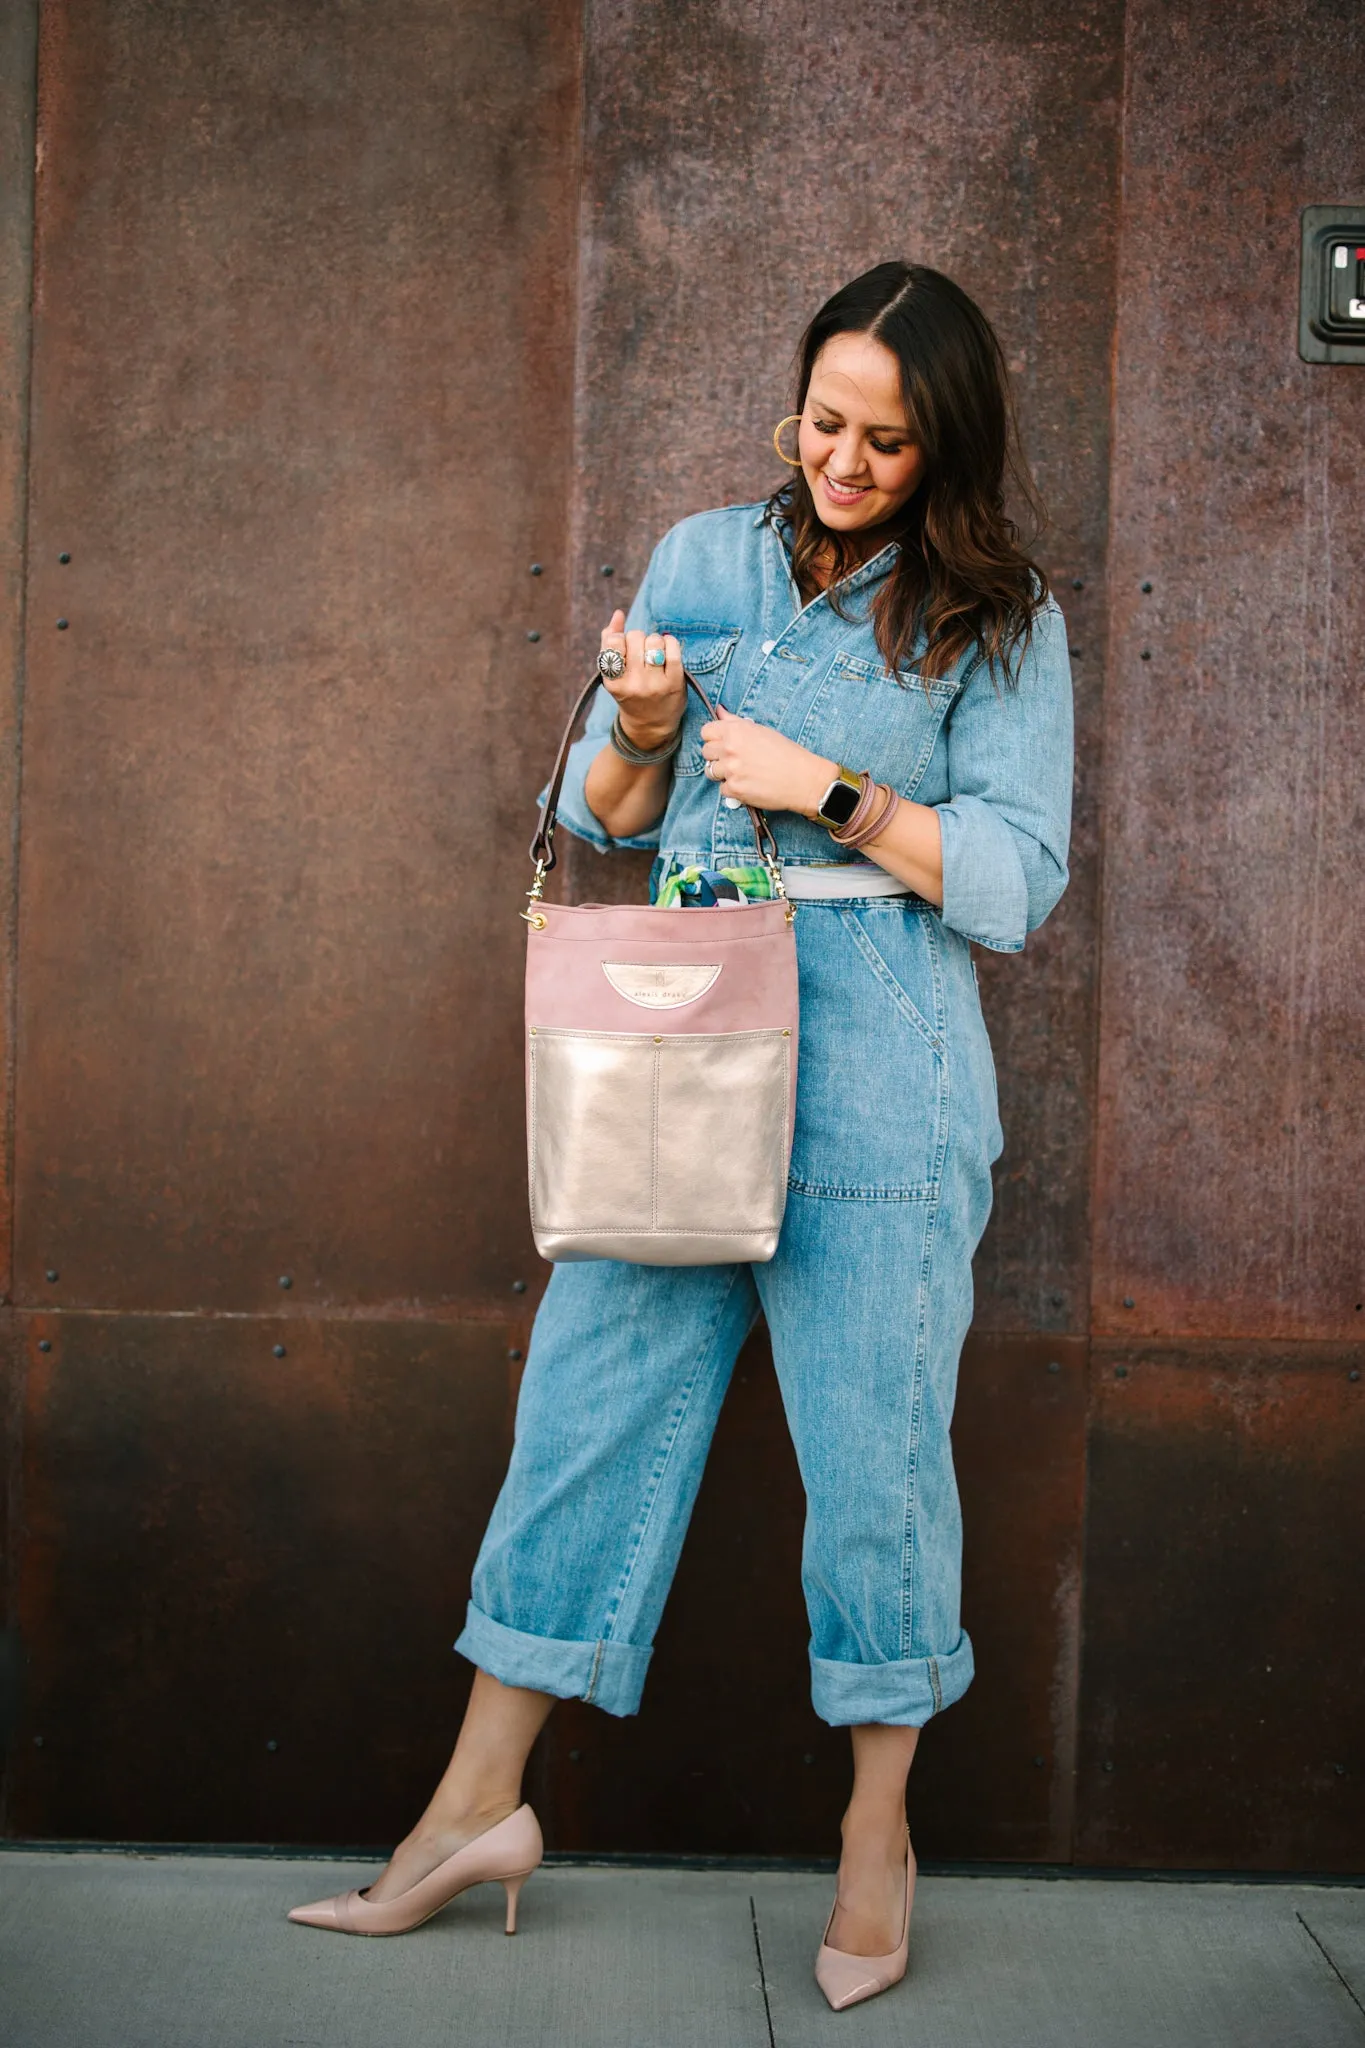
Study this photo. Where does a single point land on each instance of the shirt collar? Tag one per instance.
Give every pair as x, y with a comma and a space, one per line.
871, 571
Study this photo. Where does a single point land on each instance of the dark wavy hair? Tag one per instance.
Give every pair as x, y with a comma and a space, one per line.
962, 578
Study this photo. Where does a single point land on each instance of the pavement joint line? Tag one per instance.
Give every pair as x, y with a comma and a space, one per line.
778, 1866
1326, 1955
762, 1973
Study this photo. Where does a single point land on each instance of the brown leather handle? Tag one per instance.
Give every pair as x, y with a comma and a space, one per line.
543, 845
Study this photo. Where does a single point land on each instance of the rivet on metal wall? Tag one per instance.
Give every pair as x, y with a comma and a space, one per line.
575, 1756
518, 1287
1077, 583
62, 625
1038, 1763
537, 569
279, 1351
285, 1280
1146, 654
533, 635
607, 569
1340, 1770
1146, 589
44, 1343
1120, 1372
272, 1745
1128, 1301
514, 1354
1054, 1365
1354, 1373
1108, 1767
1074, 652
63, 557
52, 1273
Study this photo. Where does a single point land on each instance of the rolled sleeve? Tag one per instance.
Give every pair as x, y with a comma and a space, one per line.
1007, 825
574, 813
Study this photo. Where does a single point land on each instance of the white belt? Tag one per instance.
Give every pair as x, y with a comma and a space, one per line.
826, 882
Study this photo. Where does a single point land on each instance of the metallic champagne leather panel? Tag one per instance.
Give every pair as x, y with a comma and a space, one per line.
661, 986
721, 1132
590, 1128
656, 1248
669, 1150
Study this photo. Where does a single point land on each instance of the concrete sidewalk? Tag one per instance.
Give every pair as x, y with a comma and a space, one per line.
135, 1951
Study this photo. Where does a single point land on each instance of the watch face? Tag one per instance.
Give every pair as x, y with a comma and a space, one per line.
839, 803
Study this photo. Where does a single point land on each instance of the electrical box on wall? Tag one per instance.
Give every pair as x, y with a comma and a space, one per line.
1332, 285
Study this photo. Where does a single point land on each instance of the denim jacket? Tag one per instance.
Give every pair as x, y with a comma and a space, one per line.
994, 759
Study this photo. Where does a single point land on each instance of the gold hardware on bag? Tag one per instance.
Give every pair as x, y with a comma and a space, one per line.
779, 887
536, 917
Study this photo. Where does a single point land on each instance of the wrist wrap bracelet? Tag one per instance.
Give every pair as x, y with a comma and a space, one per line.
637, 756
876, 823
876, 807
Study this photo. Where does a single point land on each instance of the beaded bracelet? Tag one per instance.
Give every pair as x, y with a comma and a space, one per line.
637, 756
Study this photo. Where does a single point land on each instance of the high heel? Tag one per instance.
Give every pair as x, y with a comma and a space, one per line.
512, 1886
505, 1854
847, 1980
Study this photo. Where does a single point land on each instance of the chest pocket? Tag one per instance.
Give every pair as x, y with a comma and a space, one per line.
706, 652
867, 718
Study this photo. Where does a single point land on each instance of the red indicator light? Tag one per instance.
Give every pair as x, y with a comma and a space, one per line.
1359, 254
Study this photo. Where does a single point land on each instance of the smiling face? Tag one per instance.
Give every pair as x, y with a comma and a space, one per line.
855, 443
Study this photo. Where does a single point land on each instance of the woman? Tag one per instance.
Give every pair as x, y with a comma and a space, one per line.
876, 614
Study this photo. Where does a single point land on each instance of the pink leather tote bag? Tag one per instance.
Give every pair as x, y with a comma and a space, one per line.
660, 1067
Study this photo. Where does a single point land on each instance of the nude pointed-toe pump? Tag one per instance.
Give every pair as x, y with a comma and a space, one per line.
847, 1980
505, 1854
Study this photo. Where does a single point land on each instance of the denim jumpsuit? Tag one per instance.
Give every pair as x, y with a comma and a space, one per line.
869, 1295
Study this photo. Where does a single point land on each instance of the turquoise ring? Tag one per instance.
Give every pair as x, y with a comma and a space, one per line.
655, 658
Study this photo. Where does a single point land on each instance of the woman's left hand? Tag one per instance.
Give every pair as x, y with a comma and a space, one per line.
759, 766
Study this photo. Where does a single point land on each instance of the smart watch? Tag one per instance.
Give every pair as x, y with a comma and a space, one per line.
841, 799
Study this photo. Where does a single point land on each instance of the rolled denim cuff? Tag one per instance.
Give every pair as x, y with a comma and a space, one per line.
608, 1675
985, 892
902, 1695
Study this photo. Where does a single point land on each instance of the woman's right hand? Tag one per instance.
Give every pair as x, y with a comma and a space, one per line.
651, 699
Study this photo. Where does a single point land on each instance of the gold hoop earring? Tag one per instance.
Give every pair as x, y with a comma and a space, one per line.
792, 461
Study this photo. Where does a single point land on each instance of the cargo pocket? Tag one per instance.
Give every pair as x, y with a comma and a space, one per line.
882, 722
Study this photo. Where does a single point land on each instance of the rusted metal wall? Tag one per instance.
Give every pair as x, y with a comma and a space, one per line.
302, 340
18, 39
343, 319
1224, 1668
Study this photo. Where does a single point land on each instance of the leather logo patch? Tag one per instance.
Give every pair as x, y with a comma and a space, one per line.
660, 987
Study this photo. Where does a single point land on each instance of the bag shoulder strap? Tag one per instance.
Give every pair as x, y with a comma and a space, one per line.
543, 845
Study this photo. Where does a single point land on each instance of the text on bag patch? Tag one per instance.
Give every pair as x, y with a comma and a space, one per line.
657, 987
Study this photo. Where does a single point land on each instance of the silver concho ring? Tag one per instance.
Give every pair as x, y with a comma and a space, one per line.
611, 664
